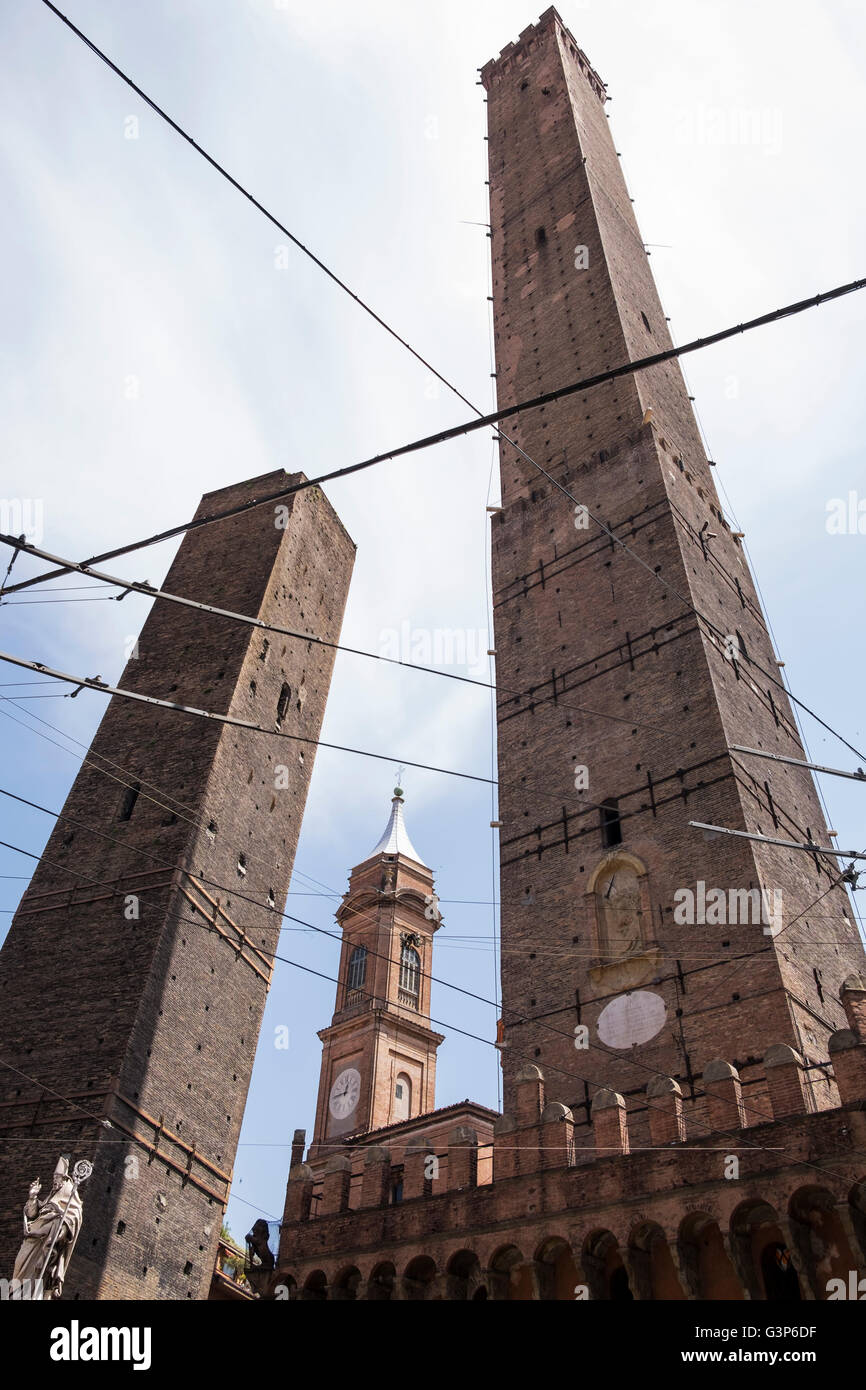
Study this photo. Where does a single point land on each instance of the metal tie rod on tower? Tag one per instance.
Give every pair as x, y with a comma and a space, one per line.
786, 844
858, 776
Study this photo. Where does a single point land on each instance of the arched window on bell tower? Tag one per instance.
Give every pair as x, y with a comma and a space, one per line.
410, 975
402, 1106
356, 973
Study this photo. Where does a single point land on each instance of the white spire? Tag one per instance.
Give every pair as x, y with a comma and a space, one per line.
395, 839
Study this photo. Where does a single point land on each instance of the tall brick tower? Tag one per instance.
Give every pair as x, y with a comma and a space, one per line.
135, 972
379, 1053
621, 676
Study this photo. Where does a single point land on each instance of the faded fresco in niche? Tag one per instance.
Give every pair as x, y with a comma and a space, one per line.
628, 956
618, 901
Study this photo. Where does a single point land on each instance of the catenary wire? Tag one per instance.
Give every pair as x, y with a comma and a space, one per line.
520, 1019
625, 369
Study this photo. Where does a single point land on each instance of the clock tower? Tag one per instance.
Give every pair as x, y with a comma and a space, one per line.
379, 1053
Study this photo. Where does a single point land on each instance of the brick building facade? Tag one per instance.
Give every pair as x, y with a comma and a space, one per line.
136, 969
665, 1044
591, 630
572, 1213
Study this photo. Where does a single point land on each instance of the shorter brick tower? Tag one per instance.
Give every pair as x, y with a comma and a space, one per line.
379, 1058
136, 969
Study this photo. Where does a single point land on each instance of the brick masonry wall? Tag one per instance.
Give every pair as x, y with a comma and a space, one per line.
154, 1022
557, 1217
581, 628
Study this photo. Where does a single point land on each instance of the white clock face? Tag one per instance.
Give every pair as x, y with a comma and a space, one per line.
344, 1093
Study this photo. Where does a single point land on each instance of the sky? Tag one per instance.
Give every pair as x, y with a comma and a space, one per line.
159, 338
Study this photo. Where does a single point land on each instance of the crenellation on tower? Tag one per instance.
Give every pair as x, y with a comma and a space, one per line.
557, 1219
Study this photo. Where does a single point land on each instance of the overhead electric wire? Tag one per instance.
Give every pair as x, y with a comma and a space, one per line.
132, 780
212, 883
571, 1075
735, 1137
89, 683
105, 1123
366, 914
236, 722
149, 591
177, 809
492, 419
456, 431
83, 566
252, 727
233, 720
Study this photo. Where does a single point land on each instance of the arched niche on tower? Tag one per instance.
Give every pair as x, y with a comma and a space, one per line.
626, 954
411, 897
355, 909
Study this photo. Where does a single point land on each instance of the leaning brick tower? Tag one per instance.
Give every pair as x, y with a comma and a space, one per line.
620, 675
135, 973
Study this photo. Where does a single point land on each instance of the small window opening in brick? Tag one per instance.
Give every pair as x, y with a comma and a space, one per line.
272, 898
611, 827
121, 1227
187, 1269
283, 703
817, 975
252, 687
69, 837
130, 797
211, 830
540, 236
742, 645
242, 865
523, 86
265, 649
646, 322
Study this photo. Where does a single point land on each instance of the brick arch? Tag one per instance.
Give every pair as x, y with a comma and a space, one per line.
463, 1275
821, 1238
411, 895
762, 1252
557, 1271
707, 1266
315, 1287
344, 1285
653, 1268
418, 1278
609, 860
602, 1259
356, 906
509, 1275
382, 1282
